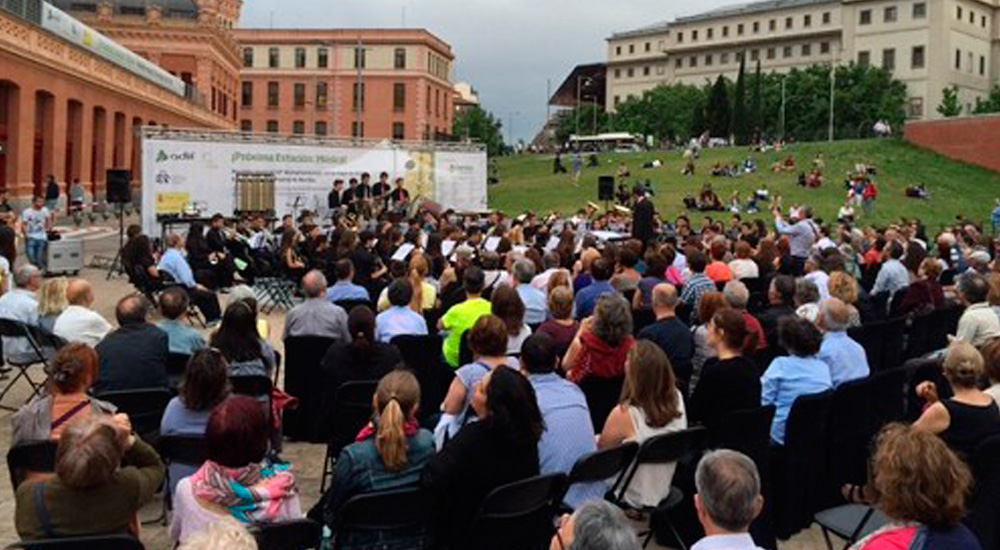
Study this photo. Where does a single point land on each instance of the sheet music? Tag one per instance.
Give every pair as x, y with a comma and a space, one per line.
446, 247
403, 251
553, 243
492, 243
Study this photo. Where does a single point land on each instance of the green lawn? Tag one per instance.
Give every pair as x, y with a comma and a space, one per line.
527, 182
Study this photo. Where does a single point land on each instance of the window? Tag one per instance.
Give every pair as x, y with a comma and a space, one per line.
724, 59
754, 55
971, 57
359, 58
248, 57
358, 97
920, 12
358, 130
298, 127
890, 14
272, 58
321, 93
787, 52
694, 35
972, 17
917, 58
740, 29
915, 107
826, 18
864, 59
756, 27
807, 21
725, 31
246, 125
958, 60
983, 22
246, 94
680, 38
272, 94
322, 58
399, 97
982, 65
889, 59
771, 53
824, 48
618, 73
272, 126
618, 100
398, 130
618, 50
645, 71
299, 95
399, 58
789, 22
630, 72
865, 17
772, 25
648, 46
708, 60
678, 63
693, 61
631, 48
806, 50
300, 58
319, 128
958, 13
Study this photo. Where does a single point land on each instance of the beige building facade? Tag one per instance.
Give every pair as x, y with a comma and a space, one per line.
928, 44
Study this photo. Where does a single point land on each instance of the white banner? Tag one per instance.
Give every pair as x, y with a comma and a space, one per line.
179, 173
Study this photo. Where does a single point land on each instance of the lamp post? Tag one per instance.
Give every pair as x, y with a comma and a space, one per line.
833, 91
589, 81
784, 79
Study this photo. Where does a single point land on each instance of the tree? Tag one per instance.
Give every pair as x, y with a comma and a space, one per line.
588, 118
480, 125
740, 123
991, 104
717, 109
950, 106
756, 106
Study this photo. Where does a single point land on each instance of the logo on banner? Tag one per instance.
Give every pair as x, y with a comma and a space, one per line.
162, 156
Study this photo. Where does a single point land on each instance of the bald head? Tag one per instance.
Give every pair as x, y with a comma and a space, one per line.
314, 284
80, 293
665, 300
175, 241
835, 315
131, 310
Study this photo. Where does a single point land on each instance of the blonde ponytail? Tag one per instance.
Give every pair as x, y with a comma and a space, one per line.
391, 438
417, 282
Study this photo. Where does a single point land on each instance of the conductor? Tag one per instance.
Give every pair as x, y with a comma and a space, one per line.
643, 213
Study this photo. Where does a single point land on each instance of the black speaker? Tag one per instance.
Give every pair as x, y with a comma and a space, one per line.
606, 188
119, 186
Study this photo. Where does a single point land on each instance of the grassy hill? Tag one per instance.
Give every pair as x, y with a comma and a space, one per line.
527, 182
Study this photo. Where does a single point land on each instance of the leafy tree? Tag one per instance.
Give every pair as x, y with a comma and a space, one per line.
698, 120
756, 106
583, 117
991, 104
950, 106
740, 123
480, 125
718, 109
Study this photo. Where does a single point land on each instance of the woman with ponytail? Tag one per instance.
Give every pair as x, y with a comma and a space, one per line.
424, 295
728, 381
389, 454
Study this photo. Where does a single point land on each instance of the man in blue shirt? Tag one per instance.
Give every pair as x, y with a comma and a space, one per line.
181, 338
801, 235
536, 305
399, 319
569, 433
845, 357
344, 288
893, 276
697, 284
587, 298
176, 265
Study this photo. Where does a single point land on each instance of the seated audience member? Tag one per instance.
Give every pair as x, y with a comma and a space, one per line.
800, 373
781, 300
569, 433
389, 454
236, 338
669, 332
626, 277
499, 449
892, 276
718, 270
562, 327
507, 305
361, 358
815, 274
651, 405
460, 317
135, 355
243, 293
181, 337
655, 274
104, 474
552, 263
845, 357
317, 316
488, 342
925, 294
71, 374
727, 501
344, 288
587, 297
737, 297
603, 342
51, 302
710, 303
235, 480
728, 381
595, 525
970, 415
845, 288
20, 304
807, 300
978, 323
535, 305
991, 364
399, 319
743, 267
78, 322
225, 534
176, 265
697, 283
922, 486
204, 386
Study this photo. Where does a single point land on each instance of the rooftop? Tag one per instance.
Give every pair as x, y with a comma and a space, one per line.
727, 11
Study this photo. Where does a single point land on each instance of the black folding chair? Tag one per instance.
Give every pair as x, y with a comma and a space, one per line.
43, 346
423, 356
304, 378
176, 365
352, 408
893, 340
179, 449
602, 465
30, 457
465, 355
870, 338
518, 515
888, 397
849, 434
104, 542
405, 514
274, 293
348, 305
297, 534
849, 522
144, 408
984, 506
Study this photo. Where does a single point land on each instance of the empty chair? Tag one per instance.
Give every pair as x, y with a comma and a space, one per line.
849, 433
352, 409
422, 355
304, 379
390, 517
518, 515
144, 408
299, 534
42, 345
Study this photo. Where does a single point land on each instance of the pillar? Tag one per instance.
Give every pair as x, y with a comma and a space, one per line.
60, 135
103, 150
84, 171
120, 148
44, 146
74, 149
20, 142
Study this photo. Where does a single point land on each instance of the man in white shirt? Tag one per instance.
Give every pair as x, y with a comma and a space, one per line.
36, 222
979, 323
79, 323
552, 261
728, 500
21, 304
814, 272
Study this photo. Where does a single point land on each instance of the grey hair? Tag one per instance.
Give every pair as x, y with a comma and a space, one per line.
834, 318
806, 291
524, 271
25, 274
241, 292
314, 284
602, 526
551, 259
737, 294
972, 286
612, 319
729, 485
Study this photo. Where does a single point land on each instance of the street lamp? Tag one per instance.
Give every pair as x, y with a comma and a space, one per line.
588, 81
833, 90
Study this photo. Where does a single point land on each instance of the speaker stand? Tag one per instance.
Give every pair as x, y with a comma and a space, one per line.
116, 267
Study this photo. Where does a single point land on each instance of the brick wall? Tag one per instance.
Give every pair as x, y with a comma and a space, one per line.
975, 140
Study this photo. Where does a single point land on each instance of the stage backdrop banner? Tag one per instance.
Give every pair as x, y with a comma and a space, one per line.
178, 172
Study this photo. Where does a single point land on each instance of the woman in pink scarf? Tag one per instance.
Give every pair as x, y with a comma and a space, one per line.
235, 480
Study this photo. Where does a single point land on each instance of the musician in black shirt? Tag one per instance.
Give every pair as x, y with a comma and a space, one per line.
337, 197
399, 197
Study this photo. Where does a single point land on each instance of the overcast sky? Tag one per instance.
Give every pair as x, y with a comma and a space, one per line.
506, 49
